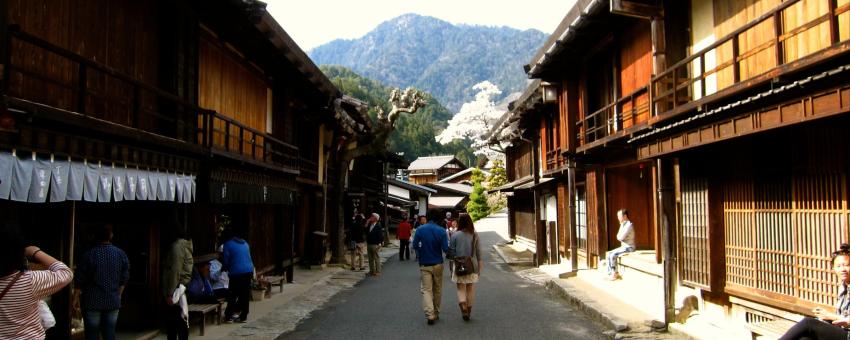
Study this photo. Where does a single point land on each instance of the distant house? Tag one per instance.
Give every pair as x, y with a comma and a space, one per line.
464, 177
449, 196
412, 198
432, 169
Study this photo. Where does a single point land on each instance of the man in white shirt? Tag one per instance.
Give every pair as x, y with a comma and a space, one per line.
626, 236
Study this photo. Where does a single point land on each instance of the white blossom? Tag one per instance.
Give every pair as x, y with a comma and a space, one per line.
475, 120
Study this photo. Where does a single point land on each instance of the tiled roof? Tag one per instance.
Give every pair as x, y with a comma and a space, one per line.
428, 163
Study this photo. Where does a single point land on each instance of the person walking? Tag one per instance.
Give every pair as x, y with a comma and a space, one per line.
357, 234
430, 243
101, 277
21, 290
236, 260
176, 274
466, 248
374, 240
626, 236
403, 236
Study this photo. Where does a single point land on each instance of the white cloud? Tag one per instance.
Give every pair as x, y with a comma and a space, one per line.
315, 22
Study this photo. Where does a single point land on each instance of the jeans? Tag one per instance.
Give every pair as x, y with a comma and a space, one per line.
240, 295
100, 322
613, 255
810, 328
374, 258
404, 250
431, 278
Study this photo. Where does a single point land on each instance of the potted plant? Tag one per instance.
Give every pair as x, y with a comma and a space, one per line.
259, 289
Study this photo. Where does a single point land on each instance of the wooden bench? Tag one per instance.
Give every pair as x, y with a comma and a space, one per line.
773, 329
275, 281
202, 310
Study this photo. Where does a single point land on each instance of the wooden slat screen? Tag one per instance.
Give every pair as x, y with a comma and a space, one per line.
581, 216
780, 231
695, 262
592, 218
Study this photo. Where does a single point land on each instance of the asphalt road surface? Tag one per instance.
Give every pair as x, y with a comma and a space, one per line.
390, 307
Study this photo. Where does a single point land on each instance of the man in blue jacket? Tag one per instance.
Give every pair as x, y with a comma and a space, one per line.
374, 240
430, 242
236, 260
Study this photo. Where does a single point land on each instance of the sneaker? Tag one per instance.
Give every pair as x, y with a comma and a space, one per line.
431, 321
241, 321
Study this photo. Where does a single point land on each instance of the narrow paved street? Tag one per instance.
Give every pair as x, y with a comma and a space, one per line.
390, 307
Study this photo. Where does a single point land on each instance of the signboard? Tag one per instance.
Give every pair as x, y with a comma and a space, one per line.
637, 8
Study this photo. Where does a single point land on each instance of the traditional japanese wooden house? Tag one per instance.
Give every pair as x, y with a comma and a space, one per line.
716, 123
433, 168
156, 116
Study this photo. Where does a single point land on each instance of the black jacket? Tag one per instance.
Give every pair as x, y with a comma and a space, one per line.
357, 231
376, 236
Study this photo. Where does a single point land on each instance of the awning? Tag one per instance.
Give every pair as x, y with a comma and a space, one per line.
400, 201
532, 185
445, 201
35, 180
511, 186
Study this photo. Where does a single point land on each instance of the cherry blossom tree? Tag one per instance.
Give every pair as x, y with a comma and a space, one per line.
475, 120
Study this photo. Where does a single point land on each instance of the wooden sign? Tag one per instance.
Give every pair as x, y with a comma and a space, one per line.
638, 8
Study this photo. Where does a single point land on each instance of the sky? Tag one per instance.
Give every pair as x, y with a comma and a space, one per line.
314, 22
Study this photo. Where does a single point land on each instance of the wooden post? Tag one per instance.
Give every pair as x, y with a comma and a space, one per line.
535, 165
5, 53
666, 203
659, 55
571, 192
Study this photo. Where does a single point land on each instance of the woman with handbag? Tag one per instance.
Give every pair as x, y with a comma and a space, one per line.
467, 263
21, 290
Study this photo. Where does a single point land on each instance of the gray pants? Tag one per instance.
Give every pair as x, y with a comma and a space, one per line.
374, 259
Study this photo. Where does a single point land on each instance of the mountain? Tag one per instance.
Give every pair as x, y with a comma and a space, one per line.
437, 56
414, 134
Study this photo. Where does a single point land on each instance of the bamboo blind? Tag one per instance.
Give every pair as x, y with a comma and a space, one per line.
695, 261
780, 231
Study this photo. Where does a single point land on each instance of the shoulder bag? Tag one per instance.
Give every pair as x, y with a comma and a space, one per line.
463, 264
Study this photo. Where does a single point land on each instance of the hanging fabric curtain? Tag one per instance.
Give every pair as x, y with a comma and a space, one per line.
42, 180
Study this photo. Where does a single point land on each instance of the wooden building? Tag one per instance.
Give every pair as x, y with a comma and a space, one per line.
717, 123
158, 116
433, 168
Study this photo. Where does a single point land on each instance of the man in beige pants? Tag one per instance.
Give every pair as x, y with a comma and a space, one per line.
430, 242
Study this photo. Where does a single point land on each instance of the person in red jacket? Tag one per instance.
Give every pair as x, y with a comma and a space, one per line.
403, 235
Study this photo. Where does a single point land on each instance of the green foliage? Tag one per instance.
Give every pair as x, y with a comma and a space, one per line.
414, 134
498, 175
477, 206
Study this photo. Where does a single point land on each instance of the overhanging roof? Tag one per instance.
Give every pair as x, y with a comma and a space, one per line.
510, 186
431, 162
463, 172
565, 33
532, 185
411, 186
451, 188
446, 201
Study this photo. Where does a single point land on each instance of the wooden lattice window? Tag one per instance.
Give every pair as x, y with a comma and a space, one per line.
780, 230
581, 216
695, 261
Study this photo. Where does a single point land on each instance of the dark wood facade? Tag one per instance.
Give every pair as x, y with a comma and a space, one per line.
209, 90
722, 142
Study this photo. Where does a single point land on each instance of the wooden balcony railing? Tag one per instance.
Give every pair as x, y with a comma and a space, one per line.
554, 159
624, 112
755, 49
77, 84
309, 169
227, 134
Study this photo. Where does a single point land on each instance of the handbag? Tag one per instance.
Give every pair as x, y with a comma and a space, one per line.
463, 264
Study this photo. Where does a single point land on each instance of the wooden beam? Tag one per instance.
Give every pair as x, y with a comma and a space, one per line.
666, 203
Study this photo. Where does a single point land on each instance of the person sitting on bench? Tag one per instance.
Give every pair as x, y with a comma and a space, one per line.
828, 325
626, 236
